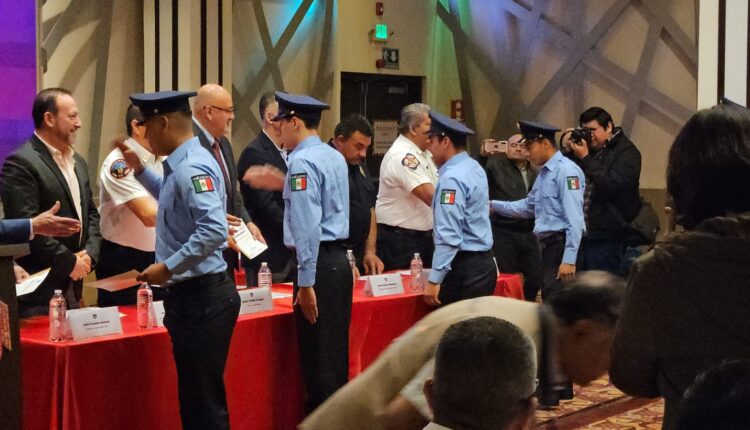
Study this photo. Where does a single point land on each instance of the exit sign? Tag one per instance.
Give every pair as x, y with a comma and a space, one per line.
391, 58
381, 32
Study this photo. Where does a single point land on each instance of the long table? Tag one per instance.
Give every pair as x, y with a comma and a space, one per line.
129, 381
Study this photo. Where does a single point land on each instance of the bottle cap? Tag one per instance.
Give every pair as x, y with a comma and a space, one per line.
264, 264
58, 291
416, 255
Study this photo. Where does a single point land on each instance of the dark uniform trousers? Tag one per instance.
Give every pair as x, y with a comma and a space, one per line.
115, 259
324, 346
518, 251
473, 274
200, 316
396, 246
553, 247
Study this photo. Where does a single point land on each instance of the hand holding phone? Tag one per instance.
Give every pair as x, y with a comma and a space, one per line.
492, 146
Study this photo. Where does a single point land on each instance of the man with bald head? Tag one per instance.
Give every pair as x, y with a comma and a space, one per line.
213, 112
511, 176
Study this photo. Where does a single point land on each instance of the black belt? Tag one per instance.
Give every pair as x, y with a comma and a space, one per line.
553, 236
333, 244
197, 282
406, 231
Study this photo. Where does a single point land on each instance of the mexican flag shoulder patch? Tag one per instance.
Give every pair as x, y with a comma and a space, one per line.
298, 182
573, 183
448, 197
202, 183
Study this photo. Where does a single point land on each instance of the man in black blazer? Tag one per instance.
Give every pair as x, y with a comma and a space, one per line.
267, 207
213, 113
41, 172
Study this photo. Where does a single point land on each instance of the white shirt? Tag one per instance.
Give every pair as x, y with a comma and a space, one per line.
117, 186
433, 426
404, 168
67, 165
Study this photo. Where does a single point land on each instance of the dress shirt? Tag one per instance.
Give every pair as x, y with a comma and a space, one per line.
67, 165
404, 168
556, 201
316, 203
191, 225
462, 219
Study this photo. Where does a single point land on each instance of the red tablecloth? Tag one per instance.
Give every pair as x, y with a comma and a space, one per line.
128, 381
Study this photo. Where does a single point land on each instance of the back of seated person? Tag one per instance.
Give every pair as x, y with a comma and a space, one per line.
718, 399
485, 377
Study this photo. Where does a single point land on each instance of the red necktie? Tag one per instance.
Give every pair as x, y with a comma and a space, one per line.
217, 154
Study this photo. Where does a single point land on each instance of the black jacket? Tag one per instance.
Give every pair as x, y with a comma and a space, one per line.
265, 207
506, 183
614, 171
31, 183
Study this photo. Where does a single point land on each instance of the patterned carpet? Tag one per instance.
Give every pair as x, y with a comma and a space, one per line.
602, 406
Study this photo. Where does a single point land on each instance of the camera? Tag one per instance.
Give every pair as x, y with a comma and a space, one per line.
580, 134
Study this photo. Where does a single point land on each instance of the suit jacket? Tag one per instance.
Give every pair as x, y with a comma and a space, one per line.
14, 231
361, 403
234, 200
685, 311
266, 207
31, 183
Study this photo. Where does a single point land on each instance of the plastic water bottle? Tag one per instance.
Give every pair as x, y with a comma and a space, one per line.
264, 276
350, 259
57, 317
417, 280
144, 299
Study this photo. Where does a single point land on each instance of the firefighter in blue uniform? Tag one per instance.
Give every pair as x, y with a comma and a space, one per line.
462, 265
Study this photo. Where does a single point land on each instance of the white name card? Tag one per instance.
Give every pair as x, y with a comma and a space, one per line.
253, 300
157, 309
384, 285
93, 322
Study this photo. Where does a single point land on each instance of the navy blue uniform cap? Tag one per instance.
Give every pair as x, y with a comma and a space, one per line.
441, 124
298, 105
162, 102
537, 130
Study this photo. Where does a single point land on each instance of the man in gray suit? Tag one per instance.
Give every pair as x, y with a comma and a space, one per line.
41, 172
213, 114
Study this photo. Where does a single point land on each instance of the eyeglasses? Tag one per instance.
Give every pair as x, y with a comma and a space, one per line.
227, 110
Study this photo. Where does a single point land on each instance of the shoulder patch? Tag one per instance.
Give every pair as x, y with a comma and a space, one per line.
119, 169
573, 183
298, 182
410, 161
448, 197
202, 183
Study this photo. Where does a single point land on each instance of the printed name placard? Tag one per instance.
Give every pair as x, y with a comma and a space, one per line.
93, 322
253, 300
384, 285
157, 310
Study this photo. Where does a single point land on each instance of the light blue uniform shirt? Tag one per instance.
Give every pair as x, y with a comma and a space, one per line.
556, 201
191, 223
316, 203
460, 211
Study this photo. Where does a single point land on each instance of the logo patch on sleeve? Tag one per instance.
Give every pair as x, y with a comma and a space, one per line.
119, 169
573, 183
298, 182
448, 197
410, 161
202, 183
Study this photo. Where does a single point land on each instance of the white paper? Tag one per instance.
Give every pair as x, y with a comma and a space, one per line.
157, 309
117, 282
93, 322
383, 285
247, 243
276, 295
385, 133
30, 284
254, 300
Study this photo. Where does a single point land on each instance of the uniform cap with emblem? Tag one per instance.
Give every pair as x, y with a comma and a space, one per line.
299, 105
162, 102
537, 130
445, 126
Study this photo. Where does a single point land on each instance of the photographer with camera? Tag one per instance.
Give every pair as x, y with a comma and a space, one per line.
612, 165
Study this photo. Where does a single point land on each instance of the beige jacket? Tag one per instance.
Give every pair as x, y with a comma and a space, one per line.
361, 402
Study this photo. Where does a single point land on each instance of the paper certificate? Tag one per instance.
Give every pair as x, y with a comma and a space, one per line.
30, 284
247, 243
117, 282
